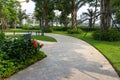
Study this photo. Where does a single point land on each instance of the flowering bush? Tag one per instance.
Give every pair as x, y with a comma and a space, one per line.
37, 45
17, 54
20, 49
34, 43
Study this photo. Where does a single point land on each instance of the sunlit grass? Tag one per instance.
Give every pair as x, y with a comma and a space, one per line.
37, 37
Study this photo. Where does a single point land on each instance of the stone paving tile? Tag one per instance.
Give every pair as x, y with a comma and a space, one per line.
68, 59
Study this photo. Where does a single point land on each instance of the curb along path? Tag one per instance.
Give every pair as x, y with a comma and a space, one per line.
68, 59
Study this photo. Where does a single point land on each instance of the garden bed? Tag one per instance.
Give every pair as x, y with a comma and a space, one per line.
17, 54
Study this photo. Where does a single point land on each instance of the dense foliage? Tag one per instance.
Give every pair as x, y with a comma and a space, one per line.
2, 37
16, 54
112, 35
27, 27
72, 31
61, 28
48, 30
8, 13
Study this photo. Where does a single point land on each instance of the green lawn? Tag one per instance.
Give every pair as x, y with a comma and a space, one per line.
111, 50
20, 30
44, 38
37, 37
17, 30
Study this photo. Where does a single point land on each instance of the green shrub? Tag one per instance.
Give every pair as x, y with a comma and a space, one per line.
16, 54
61, 28
9, 66
2, 37
6, 65
48, 30
111, 35
86, 28
26, 27
72, 31
20, 49
34, 28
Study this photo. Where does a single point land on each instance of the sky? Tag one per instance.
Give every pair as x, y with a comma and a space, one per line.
29, 7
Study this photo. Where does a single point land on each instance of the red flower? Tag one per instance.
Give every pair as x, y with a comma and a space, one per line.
34, 43
42, 44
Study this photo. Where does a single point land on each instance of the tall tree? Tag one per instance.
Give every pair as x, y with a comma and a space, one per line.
65, 8
8, 12
105, 15
115, 5
75, 5
44, 10
72, 6
45, 6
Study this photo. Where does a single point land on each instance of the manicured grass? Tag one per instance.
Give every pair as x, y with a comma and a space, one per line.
23, 65
111, 50
44, 38
37, 37
17, 30
21, 30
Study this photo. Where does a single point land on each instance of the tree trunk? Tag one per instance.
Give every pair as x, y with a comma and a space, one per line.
14, 23
105, 15
42, 26
74, 14
94, 20
45, 14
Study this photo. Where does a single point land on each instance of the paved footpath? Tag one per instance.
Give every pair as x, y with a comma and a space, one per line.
68, 59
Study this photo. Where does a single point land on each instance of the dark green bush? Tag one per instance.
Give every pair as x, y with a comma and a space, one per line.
34, 28
48, 30
19, 49
111, 35
6, 65
86, 28
10, 66
60, 28
2, 37
28, 27
16, 54
72, 31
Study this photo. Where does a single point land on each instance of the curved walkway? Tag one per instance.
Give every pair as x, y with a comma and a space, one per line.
69, 59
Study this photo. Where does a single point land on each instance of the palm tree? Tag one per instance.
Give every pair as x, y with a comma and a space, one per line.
22, 15
75, 5
95, 4
89, 16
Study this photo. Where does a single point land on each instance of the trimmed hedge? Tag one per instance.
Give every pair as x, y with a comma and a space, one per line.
60, 28
27, 27
72, 31
111, 35
48, 30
